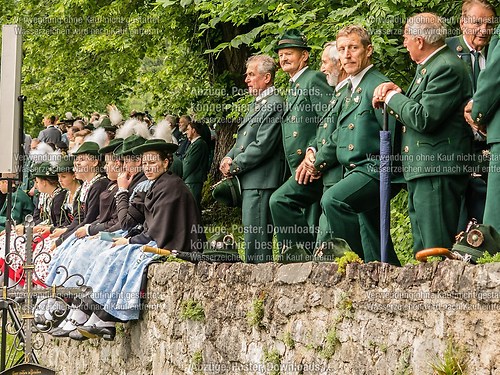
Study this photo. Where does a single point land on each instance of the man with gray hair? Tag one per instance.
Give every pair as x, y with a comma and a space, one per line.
257, 158
436, 142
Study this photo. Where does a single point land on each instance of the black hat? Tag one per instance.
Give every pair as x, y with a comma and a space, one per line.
129, 144
91, 148
292, 39
112, 146
155, 145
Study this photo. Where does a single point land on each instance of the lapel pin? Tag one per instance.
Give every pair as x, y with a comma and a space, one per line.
459, 49
356, 99
358, 90
418, 81
423, 71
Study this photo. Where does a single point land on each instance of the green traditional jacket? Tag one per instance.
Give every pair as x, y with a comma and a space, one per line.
436, 140
459, 47
195, 162
326, 150
306, 103
257, 155
355, 143
21, 206
485, 109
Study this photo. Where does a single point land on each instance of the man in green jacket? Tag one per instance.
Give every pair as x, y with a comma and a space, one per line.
308, 98
483, 114
257, 158
357, 149
21, 204
195, 161
477, 23
436, 142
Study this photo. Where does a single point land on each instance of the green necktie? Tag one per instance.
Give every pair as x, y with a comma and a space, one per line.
348, 93
476, 69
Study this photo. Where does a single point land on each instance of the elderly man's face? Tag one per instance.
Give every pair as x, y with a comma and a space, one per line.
329, 67
255, 80
477, 26
353, 55
292, 60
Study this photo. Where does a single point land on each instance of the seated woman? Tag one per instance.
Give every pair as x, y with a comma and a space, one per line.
172, 220
87, 168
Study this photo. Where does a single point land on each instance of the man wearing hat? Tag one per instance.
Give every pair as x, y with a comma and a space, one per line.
477, 24
257, 158
483, 113
308, 98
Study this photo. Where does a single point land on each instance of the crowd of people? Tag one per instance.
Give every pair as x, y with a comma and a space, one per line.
307, 166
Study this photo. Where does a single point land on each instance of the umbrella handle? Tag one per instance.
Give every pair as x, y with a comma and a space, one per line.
155, 250
385, 126
422, 255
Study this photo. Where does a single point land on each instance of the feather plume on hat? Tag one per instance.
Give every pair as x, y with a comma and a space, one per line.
98, 136
133, 126
115, 115
41, 153
163, 131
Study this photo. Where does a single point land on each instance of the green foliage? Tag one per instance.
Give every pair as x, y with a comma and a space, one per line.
401, 228
197, 360
488, 258
288, 340
272, 360
453, 362
192, 310
256, 313
348, 257
332, 342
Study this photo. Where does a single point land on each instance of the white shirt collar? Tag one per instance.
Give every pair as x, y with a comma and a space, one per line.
432, 54
358, 77
299, 73
341, 84
195, 139
270, 90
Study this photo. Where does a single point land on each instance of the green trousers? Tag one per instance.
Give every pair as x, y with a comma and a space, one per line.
295, 213
492, 210
356, 197
434, 208
257, 225
196, 189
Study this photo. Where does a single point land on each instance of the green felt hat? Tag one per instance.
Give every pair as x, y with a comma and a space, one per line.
155, 145
91, 148
228, 191
292, 39
107, 125
480, 238
129, 144
44, 170
65, 165
112, 146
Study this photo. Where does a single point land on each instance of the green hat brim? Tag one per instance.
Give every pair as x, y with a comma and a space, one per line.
87, 148
111, 147
291, 45
169, 148
228, 191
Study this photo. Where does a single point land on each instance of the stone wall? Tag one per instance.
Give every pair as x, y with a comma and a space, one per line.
300, 319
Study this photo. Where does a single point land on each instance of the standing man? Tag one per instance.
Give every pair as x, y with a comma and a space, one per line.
436, 142
483, 113
50, 134
477, 25
195, 162
307, 100
355, 198
182, 138
257, 158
